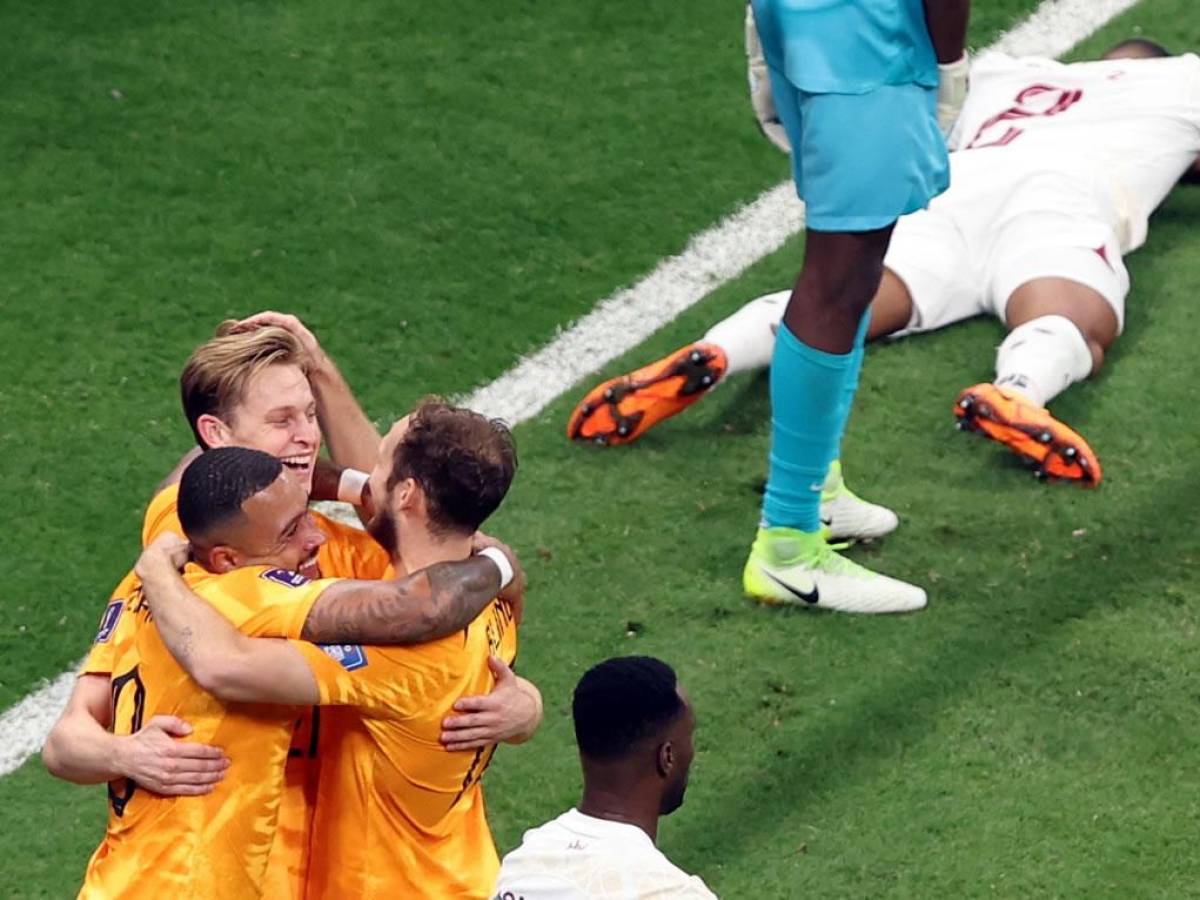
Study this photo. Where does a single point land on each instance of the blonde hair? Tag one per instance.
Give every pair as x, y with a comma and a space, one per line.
215, 376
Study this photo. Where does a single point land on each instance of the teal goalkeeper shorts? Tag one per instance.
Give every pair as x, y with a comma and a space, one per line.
861, 161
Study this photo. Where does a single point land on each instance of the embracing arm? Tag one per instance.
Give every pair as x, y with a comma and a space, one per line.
352, 438
427, 605
223, 661
511, 713
80, 748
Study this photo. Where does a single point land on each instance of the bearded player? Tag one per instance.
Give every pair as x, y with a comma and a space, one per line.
1058, 169
263, 383
247, 517
396, 815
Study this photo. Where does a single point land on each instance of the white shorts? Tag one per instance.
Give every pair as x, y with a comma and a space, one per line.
999, 227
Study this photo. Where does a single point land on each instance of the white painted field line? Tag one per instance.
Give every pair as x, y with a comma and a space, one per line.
1058, 25
622, 321
23, 728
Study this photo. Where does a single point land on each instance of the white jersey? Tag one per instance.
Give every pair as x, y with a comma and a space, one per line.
578, 857
1133, 125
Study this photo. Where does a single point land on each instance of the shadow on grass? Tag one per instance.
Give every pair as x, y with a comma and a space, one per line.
877, 730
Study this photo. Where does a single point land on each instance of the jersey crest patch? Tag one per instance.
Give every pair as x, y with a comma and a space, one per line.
286, 577
108, 621
348, 656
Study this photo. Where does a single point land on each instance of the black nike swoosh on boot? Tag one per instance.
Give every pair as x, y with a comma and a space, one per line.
810, 597
826, 522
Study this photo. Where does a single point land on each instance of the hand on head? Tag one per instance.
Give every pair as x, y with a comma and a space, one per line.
289, 323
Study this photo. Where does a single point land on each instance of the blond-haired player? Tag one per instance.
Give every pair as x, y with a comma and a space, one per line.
249, 522
263, 383
396, 815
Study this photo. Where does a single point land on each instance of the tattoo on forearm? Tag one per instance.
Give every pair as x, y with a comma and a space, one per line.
186, 644
429, 604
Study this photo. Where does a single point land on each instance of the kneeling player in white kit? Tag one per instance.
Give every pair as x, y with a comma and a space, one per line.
1057, 170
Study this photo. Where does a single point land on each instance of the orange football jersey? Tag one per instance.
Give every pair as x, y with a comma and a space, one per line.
347, 553
397, 815
216, 845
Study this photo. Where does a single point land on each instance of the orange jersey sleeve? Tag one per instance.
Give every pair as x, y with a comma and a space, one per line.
266, 602
115, 632
225, 843
428, 833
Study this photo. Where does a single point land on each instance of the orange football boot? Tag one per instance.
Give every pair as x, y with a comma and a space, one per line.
622, 409
1029, 431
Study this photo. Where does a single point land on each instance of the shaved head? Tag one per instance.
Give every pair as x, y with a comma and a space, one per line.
1137, 48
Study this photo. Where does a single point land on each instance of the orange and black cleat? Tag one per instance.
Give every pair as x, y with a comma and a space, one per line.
1029, 431
622, 409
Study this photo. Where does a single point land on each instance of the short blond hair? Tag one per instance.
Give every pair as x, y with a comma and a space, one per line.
215, 376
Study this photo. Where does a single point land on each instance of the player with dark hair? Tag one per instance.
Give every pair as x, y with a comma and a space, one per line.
396, 814
247, 517
634, 726
265, 383
1059, 169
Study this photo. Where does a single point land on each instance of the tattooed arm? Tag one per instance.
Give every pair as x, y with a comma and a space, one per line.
429, 604
220, 659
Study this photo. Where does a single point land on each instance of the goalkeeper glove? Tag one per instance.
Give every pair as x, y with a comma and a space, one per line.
760, 87
953, 79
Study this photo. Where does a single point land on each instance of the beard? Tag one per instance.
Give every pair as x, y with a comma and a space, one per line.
382, 528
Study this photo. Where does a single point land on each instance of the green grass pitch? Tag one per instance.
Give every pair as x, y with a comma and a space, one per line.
438, 188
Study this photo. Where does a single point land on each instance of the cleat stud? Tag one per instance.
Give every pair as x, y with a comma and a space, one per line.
623, 430
1040, 474
586, 409
1083, 463
965, 403
609, 393
706, 380
1045, 437
600, 439
695, 357
1070, 452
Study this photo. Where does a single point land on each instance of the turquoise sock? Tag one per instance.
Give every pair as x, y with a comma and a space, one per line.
811, 395
850, 388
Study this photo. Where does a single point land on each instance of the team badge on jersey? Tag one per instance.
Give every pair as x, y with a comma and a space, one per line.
286, 577
108, 621
348, 656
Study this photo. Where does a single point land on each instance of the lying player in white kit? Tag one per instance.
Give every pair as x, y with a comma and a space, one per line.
1057, 170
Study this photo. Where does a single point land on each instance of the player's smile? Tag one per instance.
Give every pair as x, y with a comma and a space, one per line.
301, 465
310, 568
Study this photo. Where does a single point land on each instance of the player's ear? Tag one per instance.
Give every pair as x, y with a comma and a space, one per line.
223, 559
408, 494
666, 759
213, 431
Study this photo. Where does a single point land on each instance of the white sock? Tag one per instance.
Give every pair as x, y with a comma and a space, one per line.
1042, 358
748, 336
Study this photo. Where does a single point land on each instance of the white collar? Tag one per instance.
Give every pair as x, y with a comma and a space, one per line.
590, 826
